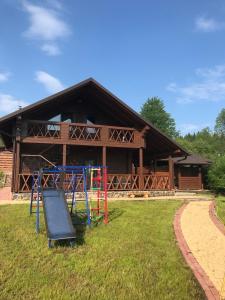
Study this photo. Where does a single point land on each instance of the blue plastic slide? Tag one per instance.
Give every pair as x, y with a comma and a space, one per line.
57, 217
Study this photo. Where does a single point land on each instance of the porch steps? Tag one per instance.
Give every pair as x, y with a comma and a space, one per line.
185, 193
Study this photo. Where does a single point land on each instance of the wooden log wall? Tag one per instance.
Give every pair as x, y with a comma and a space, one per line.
6, 161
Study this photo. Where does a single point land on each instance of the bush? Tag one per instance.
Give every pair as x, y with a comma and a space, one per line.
2, 179
216, 175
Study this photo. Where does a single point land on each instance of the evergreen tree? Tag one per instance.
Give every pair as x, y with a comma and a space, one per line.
153, 110
220, 123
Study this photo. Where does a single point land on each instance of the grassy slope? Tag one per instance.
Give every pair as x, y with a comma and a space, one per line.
133, 257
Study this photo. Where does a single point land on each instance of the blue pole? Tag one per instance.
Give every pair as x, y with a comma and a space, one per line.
73, 191
86, 197
38, 204
32, 195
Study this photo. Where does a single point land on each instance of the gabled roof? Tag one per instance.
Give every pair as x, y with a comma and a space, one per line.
113, 99
193, 159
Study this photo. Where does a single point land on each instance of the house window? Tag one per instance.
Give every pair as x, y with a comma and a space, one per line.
56, 118
90, 120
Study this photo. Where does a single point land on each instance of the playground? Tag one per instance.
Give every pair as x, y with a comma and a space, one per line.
134, 256
55, 190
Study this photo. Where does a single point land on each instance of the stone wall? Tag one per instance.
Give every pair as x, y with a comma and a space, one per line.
114, 195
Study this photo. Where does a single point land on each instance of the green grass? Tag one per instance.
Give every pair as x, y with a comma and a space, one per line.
220, 207
133, 257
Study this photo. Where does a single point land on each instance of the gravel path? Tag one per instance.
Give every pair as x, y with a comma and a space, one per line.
206, 241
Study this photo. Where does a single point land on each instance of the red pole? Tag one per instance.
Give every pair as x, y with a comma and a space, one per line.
98, 192
105, 180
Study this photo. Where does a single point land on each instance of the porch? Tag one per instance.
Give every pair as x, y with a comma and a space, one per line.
127, 170
116, 182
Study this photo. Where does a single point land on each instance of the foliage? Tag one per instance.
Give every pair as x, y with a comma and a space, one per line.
153, 110
2, 178
220, 123
205, 142
210, 144
135, 256
1, 142
216, 175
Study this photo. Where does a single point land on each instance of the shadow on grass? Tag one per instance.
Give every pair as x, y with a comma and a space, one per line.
79, 220
115, 213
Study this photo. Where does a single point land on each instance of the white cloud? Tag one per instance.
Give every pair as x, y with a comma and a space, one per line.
51, 83
208, 24
55, 3
209, 85
8, 104
50, 49
191, 128
4, 76
46, 26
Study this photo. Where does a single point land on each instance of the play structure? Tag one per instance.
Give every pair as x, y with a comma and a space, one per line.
56, 189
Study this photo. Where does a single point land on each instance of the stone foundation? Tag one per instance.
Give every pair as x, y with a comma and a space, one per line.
111, 195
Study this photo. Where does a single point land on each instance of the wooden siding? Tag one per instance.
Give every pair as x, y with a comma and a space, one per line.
6, 161
189, 178
190, 183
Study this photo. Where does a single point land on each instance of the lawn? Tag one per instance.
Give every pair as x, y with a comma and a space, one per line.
220, 207
133, 257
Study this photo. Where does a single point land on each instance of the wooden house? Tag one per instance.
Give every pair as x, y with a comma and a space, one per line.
87, 125
190, 172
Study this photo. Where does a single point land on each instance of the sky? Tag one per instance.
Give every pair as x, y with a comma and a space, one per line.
137, 49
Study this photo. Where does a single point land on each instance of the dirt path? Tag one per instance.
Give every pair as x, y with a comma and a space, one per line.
205, 241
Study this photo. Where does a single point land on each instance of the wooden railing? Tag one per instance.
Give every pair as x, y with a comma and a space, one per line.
123, 182
83, 134
43, 129
48, 180
156, 182
116, 182
121, 135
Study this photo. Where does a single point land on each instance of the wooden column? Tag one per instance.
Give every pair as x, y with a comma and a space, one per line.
179, 176
200, 177
13, 167
171, 172
64, 155
17, 166
141, 182
104, 155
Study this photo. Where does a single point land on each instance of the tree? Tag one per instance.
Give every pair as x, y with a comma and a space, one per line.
220, 123
153, 110
1, 142
216, 175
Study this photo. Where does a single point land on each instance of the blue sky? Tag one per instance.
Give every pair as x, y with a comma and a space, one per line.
137, 49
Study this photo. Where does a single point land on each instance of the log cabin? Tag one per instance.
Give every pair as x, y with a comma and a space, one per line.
87, 125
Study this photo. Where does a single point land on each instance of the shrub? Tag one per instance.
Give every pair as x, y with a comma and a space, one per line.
2, 179
216, 175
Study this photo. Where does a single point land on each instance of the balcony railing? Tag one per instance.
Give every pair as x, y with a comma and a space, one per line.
78, 133
82, 132
43, 129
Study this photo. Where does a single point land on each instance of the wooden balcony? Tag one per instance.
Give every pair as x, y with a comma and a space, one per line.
80, 134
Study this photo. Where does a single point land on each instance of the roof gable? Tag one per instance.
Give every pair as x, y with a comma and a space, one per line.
111, 100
